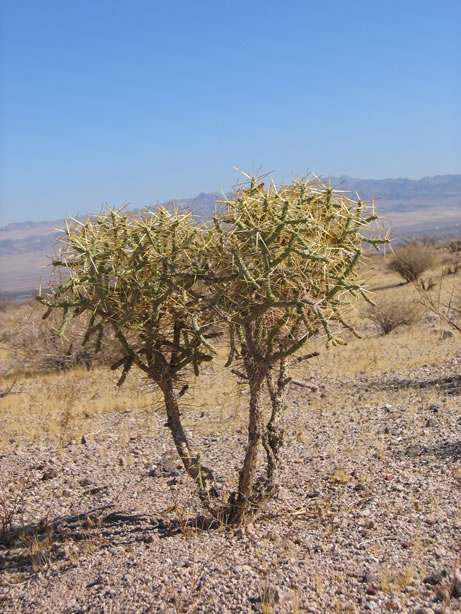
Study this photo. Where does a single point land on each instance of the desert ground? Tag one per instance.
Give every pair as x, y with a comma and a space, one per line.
97, 515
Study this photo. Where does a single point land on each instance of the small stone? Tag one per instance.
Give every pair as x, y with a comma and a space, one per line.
170, 467
456, 591
276, 594
406, 544
156, 471
149, 539
441, 593
283, 594
435, 578
85, 482
48, 475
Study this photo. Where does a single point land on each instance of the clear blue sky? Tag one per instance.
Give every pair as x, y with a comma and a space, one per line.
136, 101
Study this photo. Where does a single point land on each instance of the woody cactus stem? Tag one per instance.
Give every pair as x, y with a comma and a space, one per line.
253, 490
202, 476
245, 499
273, 437
288, 261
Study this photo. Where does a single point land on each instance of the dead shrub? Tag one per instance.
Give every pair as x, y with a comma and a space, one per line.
390, 312
37, 345
412, 260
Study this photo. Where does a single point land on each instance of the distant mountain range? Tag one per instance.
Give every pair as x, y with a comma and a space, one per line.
430, 206
429, 188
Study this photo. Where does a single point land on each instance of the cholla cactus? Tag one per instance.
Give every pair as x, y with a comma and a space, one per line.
290, 256
276, 268
140, 276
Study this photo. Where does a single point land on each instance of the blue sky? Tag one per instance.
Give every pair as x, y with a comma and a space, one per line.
140, 101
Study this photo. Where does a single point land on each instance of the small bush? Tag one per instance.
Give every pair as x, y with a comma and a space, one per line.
454, 246
37, 345
412, 260
391, 312
452, 260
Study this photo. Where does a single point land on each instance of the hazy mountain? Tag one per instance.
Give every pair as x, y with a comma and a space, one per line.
436, 188
429, 206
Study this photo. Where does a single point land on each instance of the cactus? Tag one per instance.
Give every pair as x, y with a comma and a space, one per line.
290, 255
277, 267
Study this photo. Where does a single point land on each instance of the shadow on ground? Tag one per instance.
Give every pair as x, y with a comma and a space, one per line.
446, 450
29, 548
450, 385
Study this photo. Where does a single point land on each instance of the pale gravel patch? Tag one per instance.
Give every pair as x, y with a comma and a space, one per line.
369, 507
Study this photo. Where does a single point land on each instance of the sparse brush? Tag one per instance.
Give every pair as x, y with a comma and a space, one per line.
390, 312
37, 345
446, 303
11, 502
412, 260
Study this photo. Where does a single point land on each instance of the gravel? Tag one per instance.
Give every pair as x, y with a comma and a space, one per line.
368, 517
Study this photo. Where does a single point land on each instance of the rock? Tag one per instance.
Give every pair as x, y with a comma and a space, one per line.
370, 579
435, 578
156, 471
456, 591
441, 593
447, 333
48, 475
406, 544
169, 467
276, 594
283, 594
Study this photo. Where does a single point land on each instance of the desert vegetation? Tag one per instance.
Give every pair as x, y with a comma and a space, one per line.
413, 259
275, 267
390, 312
97, 505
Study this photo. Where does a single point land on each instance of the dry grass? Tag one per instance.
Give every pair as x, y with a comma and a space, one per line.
59, 407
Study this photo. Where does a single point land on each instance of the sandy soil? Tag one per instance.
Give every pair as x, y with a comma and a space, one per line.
368, 518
